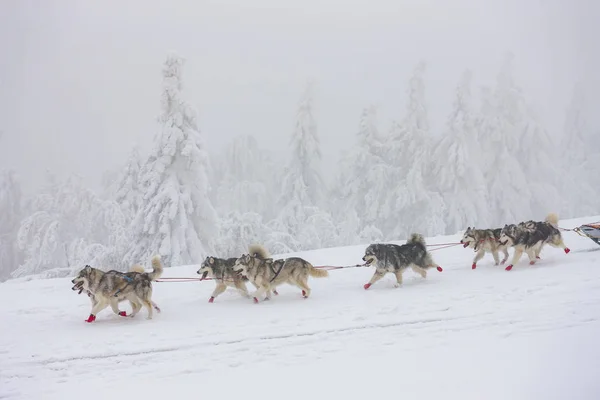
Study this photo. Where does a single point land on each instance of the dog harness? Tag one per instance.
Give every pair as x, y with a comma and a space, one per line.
128, 279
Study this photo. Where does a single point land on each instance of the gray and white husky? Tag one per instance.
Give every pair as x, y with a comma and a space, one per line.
221, 270
530, 237
484, 241
267, 273
112, 287
396, 259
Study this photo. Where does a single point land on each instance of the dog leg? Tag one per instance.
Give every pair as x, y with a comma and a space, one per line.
135, 308
419, 270
114, 304
218, 290
496, 258
376, 276
505, 251
478, 257
260, 292
148, 305
515, 259
532, 253
99, 306
241, 287
398, 279
558, 243
302, 284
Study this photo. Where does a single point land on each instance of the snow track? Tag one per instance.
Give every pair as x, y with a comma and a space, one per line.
484, 334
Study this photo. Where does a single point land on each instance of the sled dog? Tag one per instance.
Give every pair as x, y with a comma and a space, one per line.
398, 258
221, 270
266, 274
529, 237
484, 241
112, 287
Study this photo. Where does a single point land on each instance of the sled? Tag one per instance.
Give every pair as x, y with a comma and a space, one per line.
591, 231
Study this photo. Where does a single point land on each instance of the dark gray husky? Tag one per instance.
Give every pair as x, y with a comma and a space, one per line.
397, 258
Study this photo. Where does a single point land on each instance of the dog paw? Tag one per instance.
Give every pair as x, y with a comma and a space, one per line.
255, 300
212, 299
502, 262
275, 292
123, 313
367, 285
91, 318
508, 268
531, 262
148, 317
567, 250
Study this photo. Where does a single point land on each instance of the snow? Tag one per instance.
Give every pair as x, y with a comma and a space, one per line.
460, 334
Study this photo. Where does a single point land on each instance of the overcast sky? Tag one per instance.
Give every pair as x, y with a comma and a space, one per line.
80, 80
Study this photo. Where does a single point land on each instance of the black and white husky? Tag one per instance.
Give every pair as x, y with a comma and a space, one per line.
530, 237
398, 258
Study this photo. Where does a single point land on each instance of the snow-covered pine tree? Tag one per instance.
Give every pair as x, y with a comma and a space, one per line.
417, 208
176, 218
10, 215
302, 185
458, 167
127, 190
248, 179
304, 163
538, 154
578, 162
500, 125
360, 188
63, 231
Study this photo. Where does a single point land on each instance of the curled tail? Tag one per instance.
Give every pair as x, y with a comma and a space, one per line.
317, 272
137, 268
157, 268
416, 238
259, 251
552, 219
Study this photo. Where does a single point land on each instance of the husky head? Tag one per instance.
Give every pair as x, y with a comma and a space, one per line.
469, 239
207, 267
82, 280
508, 235
242, 264
371, 254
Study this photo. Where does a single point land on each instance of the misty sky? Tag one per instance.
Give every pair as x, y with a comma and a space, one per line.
80, 80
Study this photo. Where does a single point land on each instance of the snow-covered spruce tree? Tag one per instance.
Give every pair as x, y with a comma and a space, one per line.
248, 179
578, 192
500, 125
538, 154
458, 167
302, 186
10, 214
127, 190
176, 218
416, 207
69, 226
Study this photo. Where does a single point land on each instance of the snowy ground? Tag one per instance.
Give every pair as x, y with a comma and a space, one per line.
460, 334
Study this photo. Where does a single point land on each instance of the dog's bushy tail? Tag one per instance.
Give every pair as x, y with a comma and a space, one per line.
259, 251
157, 268
137, 268
317, 272
416, 238
552, 219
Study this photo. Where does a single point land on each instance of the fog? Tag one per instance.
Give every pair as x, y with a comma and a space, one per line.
80, 81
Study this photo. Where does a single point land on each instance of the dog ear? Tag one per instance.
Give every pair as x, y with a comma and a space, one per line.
211, 260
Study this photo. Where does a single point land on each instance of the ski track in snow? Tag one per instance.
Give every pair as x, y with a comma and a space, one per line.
545, 316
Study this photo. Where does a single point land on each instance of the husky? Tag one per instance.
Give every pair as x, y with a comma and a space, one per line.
482, 241
112, 287
221, 270
268, 273
529, 237
397, 258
